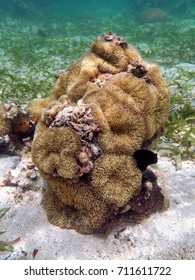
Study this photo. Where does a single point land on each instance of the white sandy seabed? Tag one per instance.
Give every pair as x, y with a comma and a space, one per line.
164, 235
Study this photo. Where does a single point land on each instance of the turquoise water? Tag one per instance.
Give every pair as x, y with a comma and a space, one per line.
82, 8
38, 37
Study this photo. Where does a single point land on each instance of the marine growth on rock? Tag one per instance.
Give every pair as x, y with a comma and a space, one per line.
16, 128
93, 135
79, 119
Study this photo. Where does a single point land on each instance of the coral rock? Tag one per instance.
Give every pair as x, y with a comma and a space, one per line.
35, 108
103, 112
5, 125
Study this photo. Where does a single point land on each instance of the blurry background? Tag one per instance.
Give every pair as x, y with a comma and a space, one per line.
92, 8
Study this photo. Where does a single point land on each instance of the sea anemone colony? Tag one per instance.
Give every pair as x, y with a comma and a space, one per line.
91, 142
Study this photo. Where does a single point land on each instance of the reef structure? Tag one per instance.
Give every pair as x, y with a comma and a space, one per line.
16, 129
91, 140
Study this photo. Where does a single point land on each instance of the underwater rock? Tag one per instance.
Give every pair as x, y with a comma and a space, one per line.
16, 128
7, 163
35, 108
152, 15
147, 201
5, 125
79, 119
19, 173
103, 111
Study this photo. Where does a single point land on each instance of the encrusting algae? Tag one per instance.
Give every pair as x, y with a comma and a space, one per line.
92, 136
